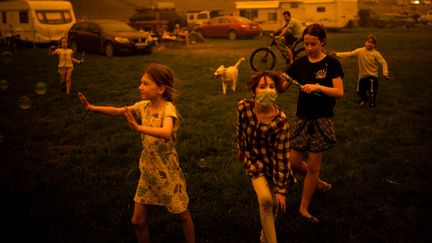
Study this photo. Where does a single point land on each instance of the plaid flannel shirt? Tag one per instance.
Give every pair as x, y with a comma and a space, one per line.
264, 148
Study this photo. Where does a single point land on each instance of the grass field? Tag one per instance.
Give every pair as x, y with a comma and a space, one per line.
67, 175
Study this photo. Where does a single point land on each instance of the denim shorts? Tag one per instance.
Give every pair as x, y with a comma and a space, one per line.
315, 135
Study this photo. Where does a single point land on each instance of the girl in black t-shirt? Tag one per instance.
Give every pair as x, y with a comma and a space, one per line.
320, 77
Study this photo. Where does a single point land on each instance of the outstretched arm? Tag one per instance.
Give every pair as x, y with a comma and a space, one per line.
76, 60
107, 110
166, 131
346, 54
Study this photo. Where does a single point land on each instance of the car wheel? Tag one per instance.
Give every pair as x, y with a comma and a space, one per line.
232, 35
74, 46
109, 49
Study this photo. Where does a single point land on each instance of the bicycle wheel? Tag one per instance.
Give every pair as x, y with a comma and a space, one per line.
262, 59
299, 53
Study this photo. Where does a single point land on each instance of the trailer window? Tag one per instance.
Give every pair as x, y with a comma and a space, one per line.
54, 17
4, 19
272, 16
321, 9
250, 14
23, 15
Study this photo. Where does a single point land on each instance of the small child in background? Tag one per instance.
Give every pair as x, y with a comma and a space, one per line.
369, 61
161, 181
66, 61
263, 146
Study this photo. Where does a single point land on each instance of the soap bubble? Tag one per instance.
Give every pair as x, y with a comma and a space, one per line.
7, 57
202, 163
4, 84
24, 102
41, 88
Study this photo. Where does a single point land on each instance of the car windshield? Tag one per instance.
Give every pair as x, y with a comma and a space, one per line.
116, 27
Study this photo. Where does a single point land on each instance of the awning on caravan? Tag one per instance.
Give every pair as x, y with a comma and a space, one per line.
257, 4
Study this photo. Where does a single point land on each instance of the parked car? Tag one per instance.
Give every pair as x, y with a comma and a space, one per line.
390, 20
156, 20
199, 17
231, 27
109, 36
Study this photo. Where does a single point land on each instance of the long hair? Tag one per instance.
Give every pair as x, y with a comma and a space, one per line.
253, 81
162, 76
60, 42
316, 30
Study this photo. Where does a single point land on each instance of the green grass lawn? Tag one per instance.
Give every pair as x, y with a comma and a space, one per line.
67, 175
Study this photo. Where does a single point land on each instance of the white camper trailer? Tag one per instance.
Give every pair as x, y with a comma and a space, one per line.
333, 14
35, 21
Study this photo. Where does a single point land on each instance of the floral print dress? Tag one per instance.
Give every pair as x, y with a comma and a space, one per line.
161, 181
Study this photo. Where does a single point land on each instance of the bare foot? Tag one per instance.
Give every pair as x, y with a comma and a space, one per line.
308, 217
323, 187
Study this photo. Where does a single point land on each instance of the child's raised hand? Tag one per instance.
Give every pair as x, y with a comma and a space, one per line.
84, 101
51, 49
131, 120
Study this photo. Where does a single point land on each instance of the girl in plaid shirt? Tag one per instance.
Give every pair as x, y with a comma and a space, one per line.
263, 143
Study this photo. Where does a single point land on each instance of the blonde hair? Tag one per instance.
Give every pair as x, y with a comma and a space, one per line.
163, 77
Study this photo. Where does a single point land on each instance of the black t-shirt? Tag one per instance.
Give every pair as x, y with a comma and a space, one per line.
310, 106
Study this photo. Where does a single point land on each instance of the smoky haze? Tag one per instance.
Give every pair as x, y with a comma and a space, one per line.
200, 4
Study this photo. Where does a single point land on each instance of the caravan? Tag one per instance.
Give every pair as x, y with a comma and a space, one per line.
332, 14
35, 21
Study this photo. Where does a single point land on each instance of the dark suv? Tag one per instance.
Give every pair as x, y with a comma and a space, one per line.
108, 36
156, 20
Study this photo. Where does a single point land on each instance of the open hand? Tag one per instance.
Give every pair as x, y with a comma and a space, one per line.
131, 120
84, 101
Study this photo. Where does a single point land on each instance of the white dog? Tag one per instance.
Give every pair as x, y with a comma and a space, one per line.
228, 75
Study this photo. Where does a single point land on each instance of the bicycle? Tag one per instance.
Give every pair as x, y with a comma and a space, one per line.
264, 58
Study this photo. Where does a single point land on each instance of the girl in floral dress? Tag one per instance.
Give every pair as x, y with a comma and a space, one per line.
161, 182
